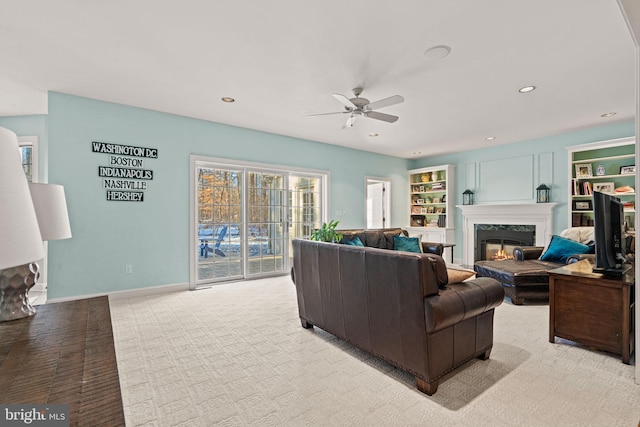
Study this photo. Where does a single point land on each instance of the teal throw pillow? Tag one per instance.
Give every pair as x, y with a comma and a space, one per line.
406, 244
560, 249
353, 242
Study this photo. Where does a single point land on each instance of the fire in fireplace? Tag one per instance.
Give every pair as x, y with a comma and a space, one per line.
496, 242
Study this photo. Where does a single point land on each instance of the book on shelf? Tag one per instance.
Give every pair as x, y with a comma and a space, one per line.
581, 220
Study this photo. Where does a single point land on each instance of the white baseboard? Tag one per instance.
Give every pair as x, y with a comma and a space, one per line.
128, 293
39, 287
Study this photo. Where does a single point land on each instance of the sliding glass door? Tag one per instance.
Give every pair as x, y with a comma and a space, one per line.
219, 209
267, 232
245, 218
305, 206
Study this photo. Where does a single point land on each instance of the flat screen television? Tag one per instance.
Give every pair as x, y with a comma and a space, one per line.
609, 237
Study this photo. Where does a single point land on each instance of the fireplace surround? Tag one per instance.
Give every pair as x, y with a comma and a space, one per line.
539, 215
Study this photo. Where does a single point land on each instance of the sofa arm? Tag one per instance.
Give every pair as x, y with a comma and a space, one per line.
462, 301
522, 253
432, 248
579, 257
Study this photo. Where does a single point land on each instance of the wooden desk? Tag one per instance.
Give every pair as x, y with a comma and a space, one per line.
592, 309
64, 354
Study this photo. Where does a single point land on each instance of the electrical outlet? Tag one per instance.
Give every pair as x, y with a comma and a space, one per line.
128, 269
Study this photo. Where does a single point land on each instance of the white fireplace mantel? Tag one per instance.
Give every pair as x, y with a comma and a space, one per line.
538, 214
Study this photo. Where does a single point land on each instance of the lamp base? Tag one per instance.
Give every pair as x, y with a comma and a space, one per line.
15, 283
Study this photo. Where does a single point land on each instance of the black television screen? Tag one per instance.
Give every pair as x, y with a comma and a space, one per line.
608, 215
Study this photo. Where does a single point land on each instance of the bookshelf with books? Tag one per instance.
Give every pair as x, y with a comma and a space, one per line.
608, 167
431, 203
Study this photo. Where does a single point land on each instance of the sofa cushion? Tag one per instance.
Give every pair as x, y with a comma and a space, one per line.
354, 241
579, 234
407, 244
389, 235
561, 248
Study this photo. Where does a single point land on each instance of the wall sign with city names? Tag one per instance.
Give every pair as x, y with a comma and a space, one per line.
125, 178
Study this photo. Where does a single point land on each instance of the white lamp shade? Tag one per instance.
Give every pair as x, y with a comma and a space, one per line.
20, 240
51, 211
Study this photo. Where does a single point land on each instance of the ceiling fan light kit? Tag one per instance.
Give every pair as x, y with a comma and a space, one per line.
358, 106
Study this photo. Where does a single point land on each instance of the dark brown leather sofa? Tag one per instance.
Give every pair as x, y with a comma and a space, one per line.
396, 306
382, 238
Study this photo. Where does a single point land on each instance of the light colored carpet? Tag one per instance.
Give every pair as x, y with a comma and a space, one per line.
235, 354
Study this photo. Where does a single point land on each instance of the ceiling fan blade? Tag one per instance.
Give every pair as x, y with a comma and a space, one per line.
323, 114
381, 116
392, 100
345, 101
349, 123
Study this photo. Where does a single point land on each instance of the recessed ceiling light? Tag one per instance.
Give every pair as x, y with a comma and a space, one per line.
228, 99
608, 114
526, 89
490, 138
373, 134
436, 52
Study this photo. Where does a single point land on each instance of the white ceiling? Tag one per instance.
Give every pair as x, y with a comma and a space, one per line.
282, 58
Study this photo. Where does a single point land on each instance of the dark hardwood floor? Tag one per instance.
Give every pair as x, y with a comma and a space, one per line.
64, 354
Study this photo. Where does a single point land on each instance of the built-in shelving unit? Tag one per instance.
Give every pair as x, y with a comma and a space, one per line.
607, 166
431, 203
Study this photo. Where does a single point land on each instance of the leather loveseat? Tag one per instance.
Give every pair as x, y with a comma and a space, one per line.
396, 305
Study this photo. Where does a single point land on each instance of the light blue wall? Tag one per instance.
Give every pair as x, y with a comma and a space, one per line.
529, 163
153, 236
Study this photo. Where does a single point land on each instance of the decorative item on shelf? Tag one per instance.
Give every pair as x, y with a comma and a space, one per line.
426, 177
604, 187
442, 175
625, 189
600, 171
467, 197
417, 221
582, 205
627, 170
420, 201
583, 170
543, 194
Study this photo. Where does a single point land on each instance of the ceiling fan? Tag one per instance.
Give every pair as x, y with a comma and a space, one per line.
363, 107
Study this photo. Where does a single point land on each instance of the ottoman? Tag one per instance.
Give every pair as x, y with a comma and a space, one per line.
521, 279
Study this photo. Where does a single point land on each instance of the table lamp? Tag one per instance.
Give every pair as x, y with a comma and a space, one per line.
20, 239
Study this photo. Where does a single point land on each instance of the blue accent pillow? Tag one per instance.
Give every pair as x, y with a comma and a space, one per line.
406, 244
560, 249
353, 242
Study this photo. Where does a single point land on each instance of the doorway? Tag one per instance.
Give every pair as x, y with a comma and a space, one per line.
378, 205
